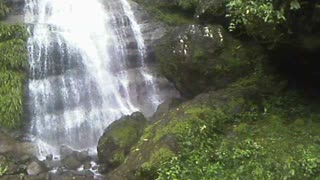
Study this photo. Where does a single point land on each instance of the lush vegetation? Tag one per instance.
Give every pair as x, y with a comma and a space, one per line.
259, 127
266, 20
275, 140
13, 62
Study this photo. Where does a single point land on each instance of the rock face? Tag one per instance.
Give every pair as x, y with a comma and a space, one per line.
71, 159
71, 175
12, 145
195, 57
165, 107
118, 139
151, 30
16, 14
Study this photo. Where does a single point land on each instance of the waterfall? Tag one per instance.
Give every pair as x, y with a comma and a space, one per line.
80, 79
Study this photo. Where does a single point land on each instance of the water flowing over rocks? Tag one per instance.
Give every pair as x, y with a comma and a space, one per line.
84, 75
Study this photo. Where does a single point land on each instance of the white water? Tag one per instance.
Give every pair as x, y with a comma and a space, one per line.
79, 80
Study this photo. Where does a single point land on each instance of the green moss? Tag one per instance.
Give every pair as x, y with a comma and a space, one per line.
148, 168
241, 128
299, 122
169, 13
161, 155
125, 135
272, 138
157, 157
4, 9
118, 157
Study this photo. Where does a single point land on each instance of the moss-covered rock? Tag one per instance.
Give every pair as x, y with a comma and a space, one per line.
160, 140
178, 12
119, 137
196, 58
235, 126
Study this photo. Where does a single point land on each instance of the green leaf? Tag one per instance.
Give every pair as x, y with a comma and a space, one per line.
295, 5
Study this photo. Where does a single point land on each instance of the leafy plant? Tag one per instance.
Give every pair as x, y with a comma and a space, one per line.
216, 147
13, 62
4, 9
3, 170
253, 13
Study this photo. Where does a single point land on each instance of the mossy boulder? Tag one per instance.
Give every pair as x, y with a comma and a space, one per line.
196, 58
160, 140
118, 139
231, 120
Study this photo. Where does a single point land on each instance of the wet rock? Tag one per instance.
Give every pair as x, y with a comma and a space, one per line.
71, 175
66, 151
49, 157
83, 156
165, 107
35, 168
71, 159
118, 139
71, 162
200, 58
87, 165
52, 164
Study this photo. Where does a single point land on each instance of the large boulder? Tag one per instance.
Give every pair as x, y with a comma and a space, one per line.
196, 58
118, 139
36, 167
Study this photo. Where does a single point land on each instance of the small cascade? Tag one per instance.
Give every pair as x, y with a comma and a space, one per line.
80, 77
147, 76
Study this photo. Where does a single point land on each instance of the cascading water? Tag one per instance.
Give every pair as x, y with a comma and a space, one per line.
79, 77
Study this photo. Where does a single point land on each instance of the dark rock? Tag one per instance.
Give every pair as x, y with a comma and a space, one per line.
87, 165
198, 58
71, 159
66, 151
50, 164
119, 137
71, 175
25, 158
103, 169
71, 162
83, 156
49, 157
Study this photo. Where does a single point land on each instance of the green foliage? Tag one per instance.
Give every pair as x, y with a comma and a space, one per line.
172, 13
3, 170
4, 9
253, 12
13, 62
257, 18
276, 144
188, 4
